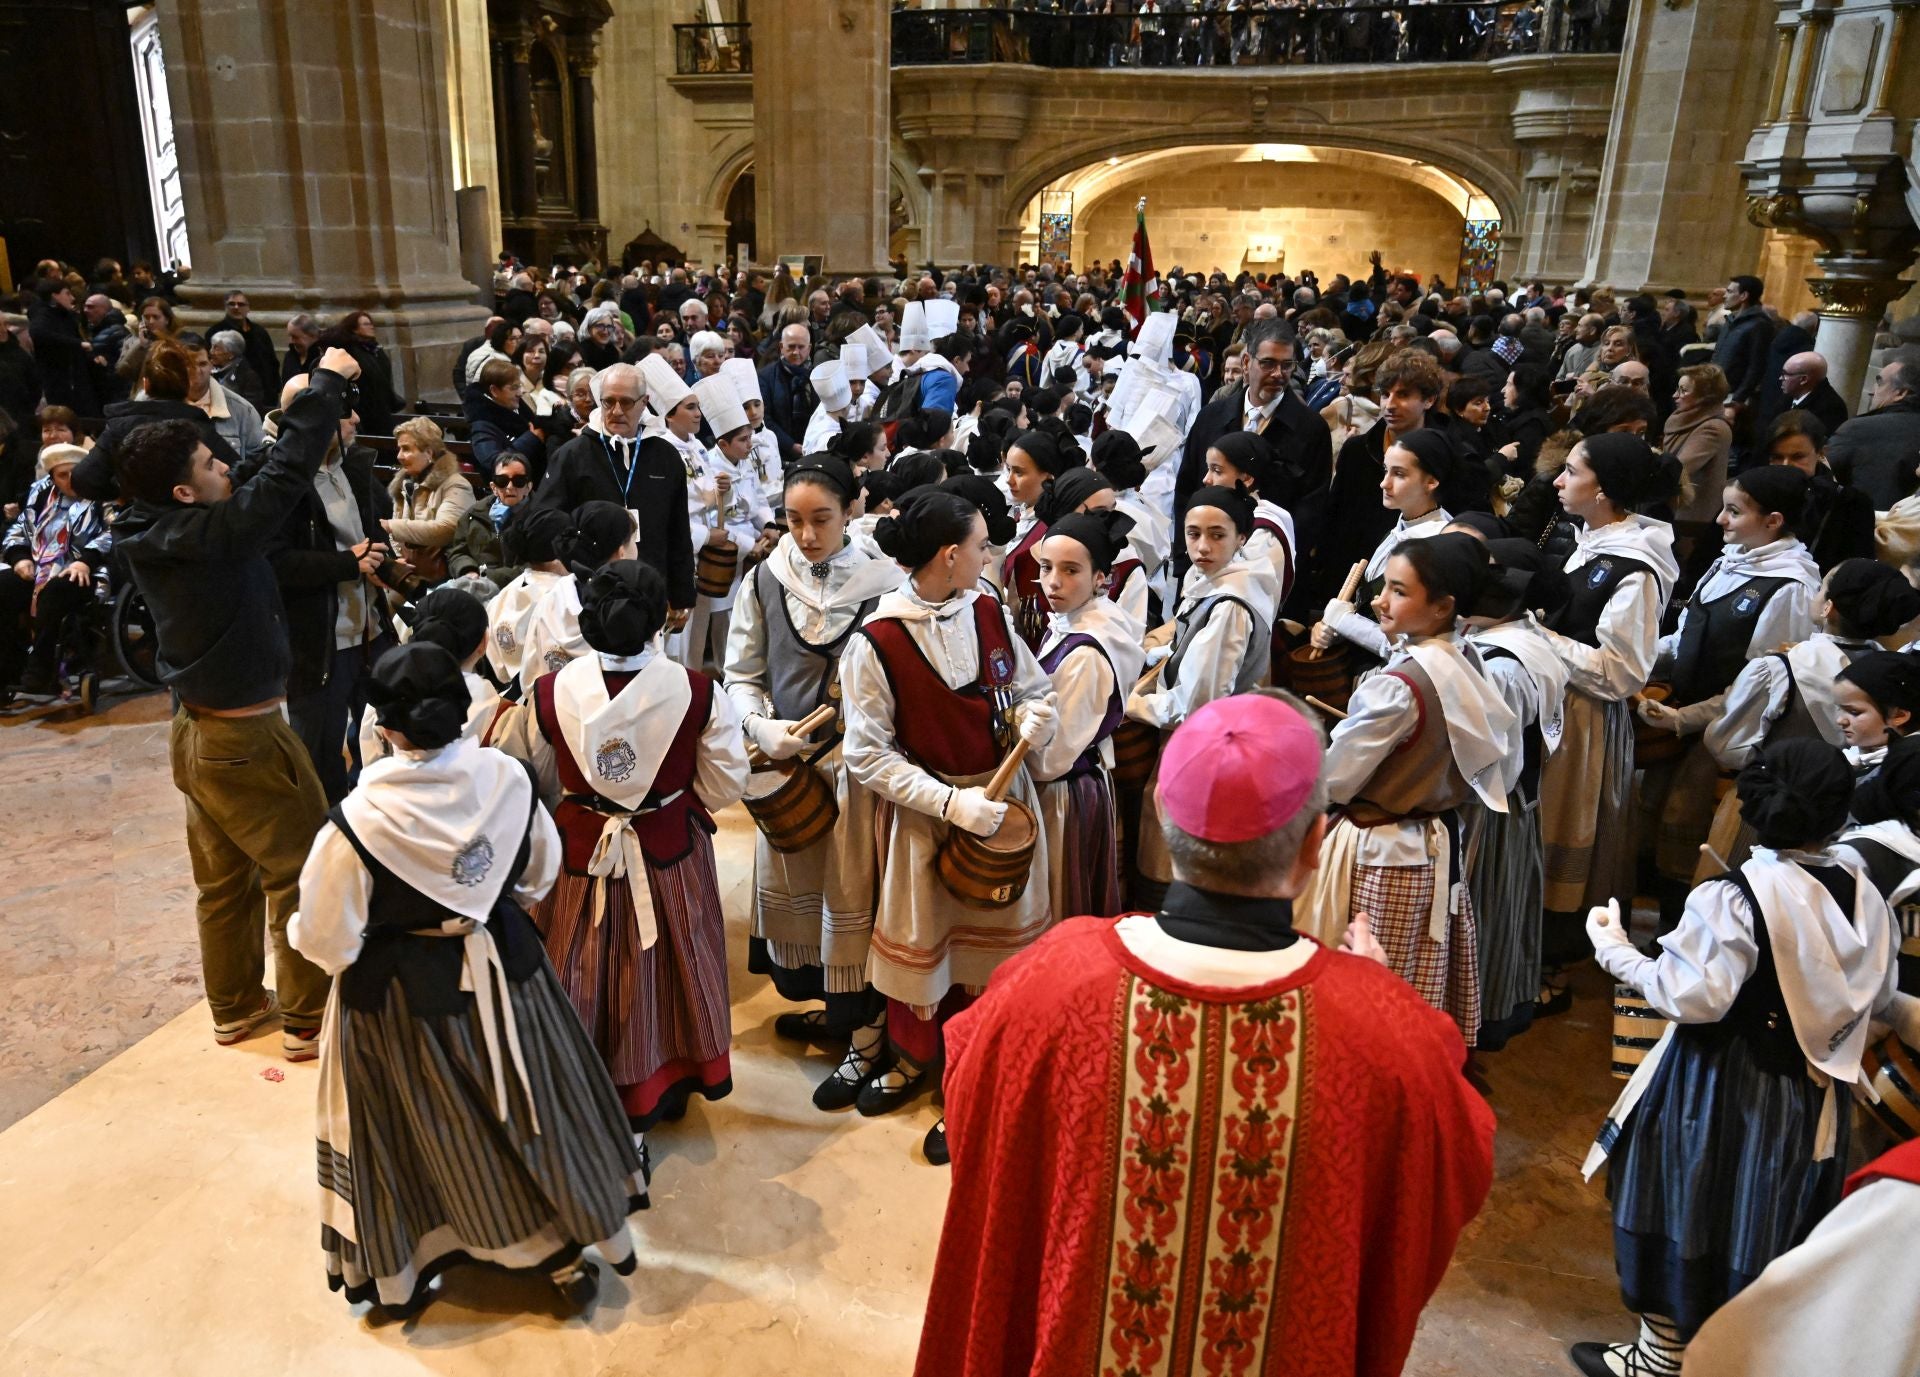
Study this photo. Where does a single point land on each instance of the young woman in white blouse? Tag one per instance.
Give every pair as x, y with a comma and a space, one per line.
813, 909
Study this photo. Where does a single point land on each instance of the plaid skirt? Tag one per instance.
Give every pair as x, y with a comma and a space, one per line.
1399, 900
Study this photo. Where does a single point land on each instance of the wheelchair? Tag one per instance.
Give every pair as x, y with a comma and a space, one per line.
110, 641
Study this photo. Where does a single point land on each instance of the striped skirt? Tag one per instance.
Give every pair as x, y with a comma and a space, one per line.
660, 1016
1399, 900
1077, 814
435, 1178
1505, 878
814, 908
1586, 819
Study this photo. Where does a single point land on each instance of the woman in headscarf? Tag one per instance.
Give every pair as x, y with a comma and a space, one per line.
1035, 460
1621, 572
600, 533
464, 1116
813, 909
1885, 835
1730, 1142
635, 755
1422, 738
456, 621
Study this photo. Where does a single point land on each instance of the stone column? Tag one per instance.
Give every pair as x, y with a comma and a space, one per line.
519, 118
335, 192
585, 58
1692, 79
821, 125
963, 126
504, 193
1853, 296
1562, 129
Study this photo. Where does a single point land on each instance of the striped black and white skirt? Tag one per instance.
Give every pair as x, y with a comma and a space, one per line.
435, 1176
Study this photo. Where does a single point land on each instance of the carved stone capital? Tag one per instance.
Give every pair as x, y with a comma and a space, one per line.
1782, 210
1853, 298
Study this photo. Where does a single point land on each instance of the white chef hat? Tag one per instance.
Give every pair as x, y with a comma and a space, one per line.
879, 356
853, 358
943, 318
666, 389
913, 327
830, 384
720, 404
1154, 343
744, 377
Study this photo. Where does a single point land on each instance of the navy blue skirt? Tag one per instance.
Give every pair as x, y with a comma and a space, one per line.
1713, 1176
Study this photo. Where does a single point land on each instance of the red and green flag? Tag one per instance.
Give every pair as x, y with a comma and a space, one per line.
1140, 291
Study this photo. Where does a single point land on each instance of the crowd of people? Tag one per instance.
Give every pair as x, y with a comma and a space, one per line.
1176, 718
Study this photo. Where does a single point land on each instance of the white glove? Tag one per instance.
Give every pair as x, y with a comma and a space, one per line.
1038, 719
1335, 610
775, 738
1323, 637
1659, 715
973, 811
1604, 928
1157, 655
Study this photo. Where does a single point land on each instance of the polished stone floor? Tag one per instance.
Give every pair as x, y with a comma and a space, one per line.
157, 1197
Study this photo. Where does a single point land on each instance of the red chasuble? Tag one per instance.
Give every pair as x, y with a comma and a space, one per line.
1155, 1178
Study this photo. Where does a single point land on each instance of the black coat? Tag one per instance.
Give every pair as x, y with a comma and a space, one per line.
310, 566
1742, 354
1875, 451
1838, 522
98, 476
66, 368
19, 386
378, 399
496, 428
582, 470
1298, 436
790, 402
1787, 341
1824, 404
259, 353
1346, 523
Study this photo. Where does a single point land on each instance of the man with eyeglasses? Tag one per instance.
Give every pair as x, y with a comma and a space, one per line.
260, 354
1804, 387
1265, 404
609, 461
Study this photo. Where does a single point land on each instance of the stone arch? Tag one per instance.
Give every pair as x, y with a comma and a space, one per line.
734, 159
1480, 171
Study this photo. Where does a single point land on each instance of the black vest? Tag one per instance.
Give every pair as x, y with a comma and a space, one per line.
1713, 643
1593, 586
1532, 744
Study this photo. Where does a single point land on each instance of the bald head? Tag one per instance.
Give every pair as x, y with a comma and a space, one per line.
292, 388
1802, 374
1632, 373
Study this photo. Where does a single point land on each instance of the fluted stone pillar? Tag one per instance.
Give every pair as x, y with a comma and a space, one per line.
316, 168
963, 126
1561, 128
821, 119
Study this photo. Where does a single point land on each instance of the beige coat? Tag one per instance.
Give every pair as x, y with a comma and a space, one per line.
440, 499
1700, 438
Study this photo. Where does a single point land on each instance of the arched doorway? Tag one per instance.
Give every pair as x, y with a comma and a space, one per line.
741, 228
1271, 207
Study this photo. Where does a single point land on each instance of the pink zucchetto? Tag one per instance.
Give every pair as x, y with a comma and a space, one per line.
1238, 768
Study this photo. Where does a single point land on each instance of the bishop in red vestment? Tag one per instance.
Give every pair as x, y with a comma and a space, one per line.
1196, 1142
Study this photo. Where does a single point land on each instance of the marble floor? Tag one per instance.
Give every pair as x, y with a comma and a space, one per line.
157, 1192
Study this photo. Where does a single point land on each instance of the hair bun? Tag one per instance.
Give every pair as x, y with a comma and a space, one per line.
1795, 793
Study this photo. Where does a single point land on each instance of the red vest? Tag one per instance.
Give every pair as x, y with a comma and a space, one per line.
665, 836
947, 731
1123, 569
1900, 1164
1023, 588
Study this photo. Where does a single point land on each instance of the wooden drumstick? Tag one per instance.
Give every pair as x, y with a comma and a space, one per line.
1003, 777
1706, 849
814, 720
1347, 590
1328, 708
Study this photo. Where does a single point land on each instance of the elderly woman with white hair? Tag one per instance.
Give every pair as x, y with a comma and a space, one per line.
709, 350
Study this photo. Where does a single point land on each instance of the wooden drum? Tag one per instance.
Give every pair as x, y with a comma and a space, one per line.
713, 569
797, 812
1135, 747
1894, 1071
1326, 675
1655, 745
1635, 1030
992, 872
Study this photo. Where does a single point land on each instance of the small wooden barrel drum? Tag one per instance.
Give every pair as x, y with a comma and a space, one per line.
798, 812
1635, 1029
1655, 745
1326, 675
1135, 747
990, 872
1895, 1073
713, 569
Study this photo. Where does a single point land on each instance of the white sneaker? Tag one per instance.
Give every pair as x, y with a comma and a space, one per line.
300, 1044
226, 1034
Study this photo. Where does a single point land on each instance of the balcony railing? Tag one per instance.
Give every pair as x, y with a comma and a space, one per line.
1309, 32
712, 49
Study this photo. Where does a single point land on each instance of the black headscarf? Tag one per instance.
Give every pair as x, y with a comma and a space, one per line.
417, 690
534, 537
1103, 533
622, 607
1249, 453
1232, 501
450, 618
1117, 455
1068, 491
830, 471
1525, 580
599, 530
1452, 565
1890, 678
1629, 470
1874, 599
985, 494
1795, 793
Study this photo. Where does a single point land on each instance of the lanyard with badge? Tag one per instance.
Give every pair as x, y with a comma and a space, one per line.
613, 464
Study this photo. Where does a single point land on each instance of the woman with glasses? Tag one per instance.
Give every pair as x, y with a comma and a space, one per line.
477, 541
